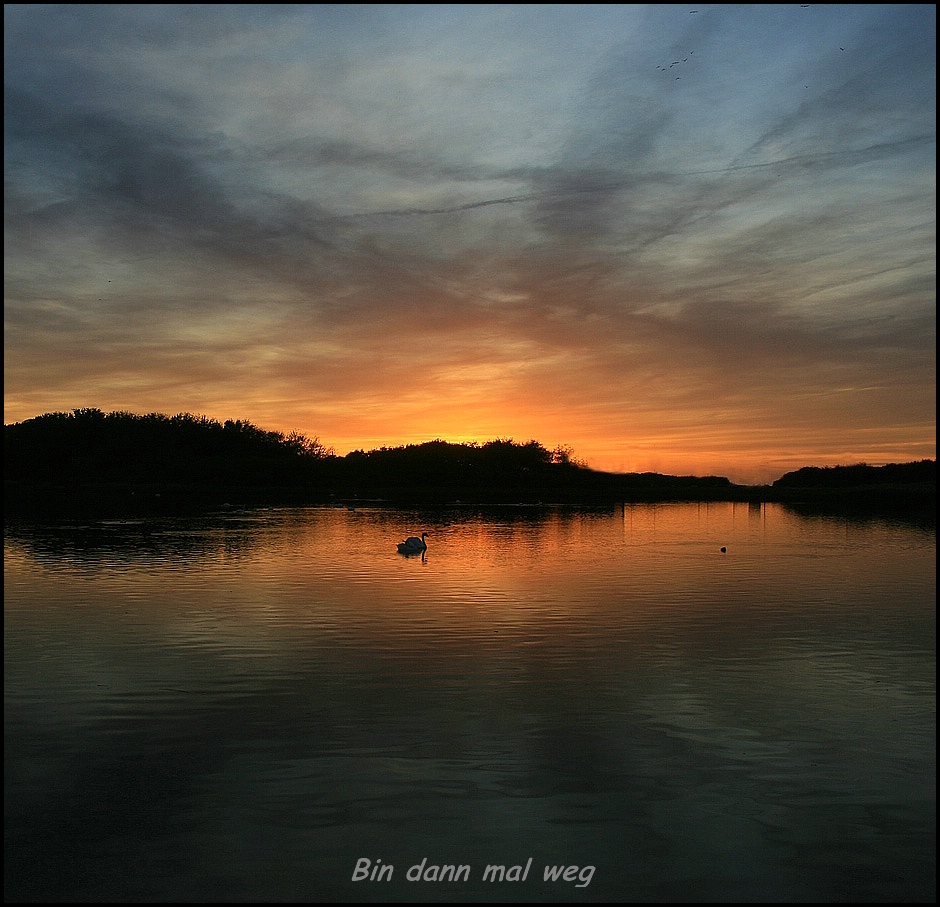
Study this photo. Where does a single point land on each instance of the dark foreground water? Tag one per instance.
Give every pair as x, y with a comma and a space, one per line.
277, 706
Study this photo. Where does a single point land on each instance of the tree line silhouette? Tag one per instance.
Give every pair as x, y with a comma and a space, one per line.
87, 445
87, 456
860, 474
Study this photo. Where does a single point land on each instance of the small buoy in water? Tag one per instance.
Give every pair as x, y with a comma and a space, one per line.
723, 549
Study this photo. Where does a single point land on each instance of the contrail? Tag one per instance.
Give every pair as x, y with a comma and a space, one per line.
871, 150
408, 212
810, 158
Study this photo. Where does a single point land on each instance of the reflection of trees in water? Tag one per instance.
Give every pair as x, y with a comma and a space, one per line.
922, 515
495, 513
500, 521
232, 535
137, 542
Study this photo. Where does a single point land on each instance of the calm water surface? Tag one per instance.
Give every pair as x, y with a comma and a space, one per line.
252, 706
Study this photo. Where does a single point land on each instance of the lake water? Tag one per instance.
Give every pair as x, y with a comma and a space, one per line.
263, 706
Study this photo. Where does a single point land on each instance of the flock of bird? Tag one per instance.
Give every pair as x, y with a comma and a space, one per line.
675, 63
663, 68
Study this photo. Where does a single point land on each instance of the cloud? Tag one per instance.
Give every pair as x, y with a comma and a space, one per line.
289, 211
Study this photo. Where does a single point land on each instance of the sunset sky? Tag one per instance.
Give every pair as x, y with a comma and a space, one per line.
686, 239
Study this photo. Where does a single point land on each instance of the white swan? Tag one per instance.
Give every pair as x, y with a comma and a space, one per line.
413, 544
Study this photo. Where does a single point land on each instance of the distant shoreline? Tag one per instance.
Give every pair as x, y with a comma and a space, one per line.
88, 464
54, 502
